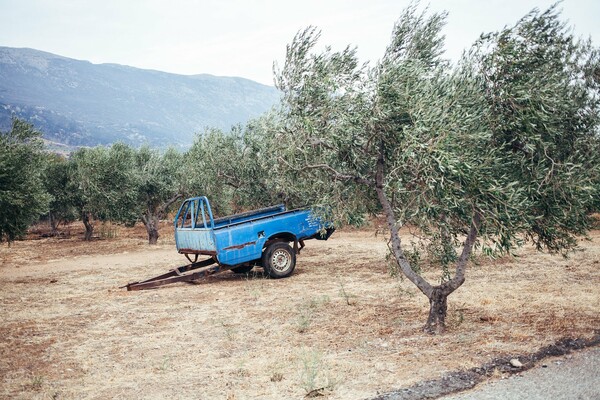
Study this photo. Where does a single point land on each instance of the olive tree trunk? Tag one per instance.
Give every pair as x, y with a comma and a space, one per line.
151, 224
438, 309
437, 295
86, 217
54, 222
153, 215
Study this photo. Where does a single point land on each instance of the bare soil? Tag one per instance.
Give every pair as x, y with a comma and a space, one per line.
340, 327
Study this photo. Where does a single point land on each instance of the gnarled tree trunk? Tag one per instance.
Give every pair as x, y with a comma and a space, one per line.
53, 223
86, 217
152, 217
437, 295
151, 224
438, 310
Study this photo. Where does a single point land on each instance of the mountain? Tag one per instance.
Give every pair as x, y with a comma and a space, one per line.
78, 103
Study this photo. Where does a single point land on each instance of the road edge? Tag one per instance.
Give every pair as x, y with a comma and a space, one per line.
462, 380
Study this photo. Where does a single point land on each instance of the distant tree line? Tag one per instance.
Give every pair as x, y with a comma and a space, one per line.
123, 184
499, 149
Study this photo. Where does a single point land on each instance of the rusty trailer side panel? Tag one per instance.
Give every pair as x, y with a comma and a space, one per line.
195, 241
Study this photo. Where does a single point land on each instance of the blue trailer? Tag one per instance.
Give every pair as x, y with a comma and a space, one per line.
269, 238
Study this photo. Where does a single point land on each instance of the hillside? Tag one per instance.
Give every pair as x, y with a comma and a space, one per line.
76, 102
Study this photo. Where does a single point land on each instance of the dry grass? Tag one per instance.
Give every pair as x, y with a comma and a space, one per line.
339, 327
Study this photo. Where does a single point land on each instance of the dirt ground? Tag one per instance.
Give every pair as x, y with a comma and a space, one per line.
340, 327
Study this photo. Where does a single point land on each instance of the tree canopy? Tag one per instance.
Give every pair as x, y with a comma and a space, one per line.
56, 180
103, 184
22, 195
235, 168
466, 154
158, 185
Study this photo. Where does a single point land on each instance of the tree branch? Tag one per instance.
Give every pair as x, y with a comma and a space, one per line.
234, 183
339, 176
461, 263
167, 204
405, 266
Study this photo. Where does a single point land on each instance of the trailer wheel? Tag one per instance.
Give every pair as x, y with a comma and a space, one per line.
279, 260
243, 268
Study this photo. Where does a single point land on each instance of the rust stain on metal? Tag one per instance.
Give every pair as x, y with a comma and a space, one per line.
204, 268
240, 246
192, 251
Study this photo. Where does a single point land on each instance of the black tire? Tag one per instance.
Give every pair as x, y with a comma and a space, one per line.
279, 260
242, 268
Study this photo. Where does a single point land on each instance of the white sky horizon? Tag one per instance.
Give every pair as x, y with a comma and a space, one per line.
243, 38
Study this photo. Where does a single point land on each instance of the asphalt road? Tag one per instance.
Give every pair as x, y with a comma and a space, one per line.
575, 376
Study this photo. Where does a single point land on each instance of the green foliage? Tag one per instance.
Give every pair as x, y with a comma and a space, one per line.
158, 176
159, 183
501, 147
420, 117
56, 182
22, 195
508, 132
104, 181
210, 168
234, 168
542, 88
104, 184
319, 144
315, 378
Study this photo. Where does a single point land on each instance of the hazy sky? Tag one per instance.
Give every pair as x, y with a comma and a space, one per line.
244, 37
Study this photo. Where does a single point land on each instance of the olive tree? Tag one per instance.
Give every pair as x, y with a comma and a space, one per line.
22, 195
421, 140
126, 185
234, 168
211, 165
61, 209
159, 185
104, 185
542, 85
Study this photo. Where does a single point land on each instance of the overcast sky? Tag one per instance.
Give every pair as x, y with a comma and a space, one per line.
244, 37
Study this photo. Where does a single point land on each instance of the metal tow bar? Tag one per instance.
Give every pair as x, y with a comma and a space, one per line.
205, 268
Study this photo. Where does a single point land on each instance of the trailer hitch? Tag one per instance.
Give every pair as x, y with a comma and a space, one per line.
205, 268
